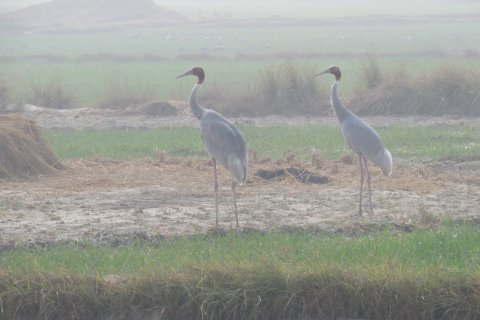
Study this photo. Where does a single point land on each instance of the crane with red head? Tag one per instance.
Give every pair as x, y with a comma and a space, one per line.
223, 140
360, 137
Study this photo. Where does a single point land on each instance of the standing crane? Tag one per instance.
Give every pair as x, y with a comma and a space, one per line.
223, 140
360, 137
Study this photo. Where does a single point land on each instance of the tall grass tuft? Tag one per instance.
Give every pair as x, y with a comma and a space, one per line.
50, 94
371, 73
450, 89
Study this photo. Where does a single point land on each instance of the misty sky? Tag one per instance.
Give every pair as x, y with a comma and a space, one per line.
240, 8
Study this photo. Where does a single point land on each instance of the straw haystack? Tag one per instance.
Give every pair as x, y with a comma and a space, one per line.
23, 152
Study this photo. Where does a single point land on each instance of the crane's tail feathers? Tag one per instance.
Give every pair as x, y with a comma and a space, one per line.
238, 168
387, 167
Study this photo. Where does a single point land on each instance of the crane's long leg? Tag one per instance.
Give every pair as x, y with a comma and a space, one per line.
234, 184
215, 187
361, 184
369, 185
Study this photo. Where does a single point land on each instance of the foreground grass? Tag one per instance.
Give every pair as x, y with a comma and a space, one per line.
427, 274
452, 248
416, 143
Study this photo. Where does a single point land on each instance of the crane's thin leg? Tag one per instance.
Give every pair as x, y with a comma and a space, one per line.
369, 187
215, 187
234, 184
361, 184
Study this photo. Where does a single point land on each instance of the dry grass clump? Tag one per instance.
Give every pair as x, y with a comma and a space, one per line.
283, 89
23, 153
451, 89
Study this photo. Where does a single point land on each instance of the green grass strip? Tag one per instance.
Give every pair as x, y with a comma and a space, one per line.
453, 249
413, 143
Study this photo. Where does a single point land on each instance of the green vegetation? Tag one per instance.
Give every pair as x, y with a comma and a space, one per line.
92, 66
415, 143
452, 248
294, 275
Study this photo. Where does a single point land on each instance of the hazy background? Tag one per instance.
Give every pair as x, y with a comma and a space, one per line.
291, 8
112, 53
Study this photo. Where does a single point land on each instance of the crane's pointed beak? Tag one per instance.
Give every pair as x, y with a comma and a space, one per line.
188, 73
323, 72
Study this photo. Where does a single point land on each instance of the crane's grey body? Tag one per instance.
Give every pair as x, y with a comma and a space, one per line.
223, 141
360, 137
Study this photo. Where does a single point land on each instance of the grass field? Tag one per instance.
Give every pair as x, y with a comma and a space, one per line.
412, 143
452, 248
222, 41
379, 275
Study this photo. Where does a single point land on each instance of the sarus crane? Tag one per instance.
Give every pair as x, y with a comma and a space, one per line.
360, 137
222, 139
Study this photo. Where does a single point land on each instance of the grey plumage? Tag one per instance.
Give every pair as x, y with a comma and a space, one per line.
360, 137
223, 140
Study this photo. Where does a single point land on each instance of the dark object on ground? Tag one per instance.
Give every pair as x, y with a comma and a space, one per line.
306, 176
269, 175
302, 175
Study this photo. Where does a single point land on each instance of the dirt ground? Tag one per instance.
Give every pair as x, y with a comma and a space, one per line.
101, 200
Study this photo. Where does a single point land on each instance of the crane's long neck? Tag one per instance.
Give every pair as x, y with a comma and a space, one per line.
341, 111
197, 110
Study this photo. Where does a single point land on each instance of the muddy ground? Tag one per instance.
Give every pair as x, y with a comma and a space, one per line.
100, 200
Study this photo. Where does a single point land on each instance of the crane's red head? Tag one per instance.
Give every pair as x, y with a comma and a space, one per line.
195, 71
333, 70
